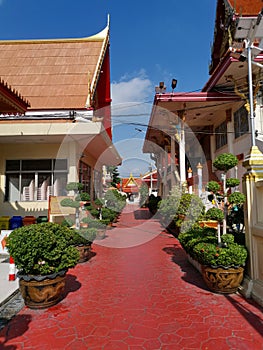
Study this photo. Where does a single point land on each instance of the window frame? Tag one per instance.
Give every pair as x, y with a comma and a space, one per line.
241, 124
36, 173
221, 135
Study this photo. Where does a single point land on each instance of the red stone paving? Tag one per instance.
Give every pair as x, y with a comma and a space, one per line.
145, 296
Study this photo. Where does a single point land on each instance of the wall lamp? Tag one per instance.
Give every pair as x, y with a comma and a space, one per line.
174, 83
161, 88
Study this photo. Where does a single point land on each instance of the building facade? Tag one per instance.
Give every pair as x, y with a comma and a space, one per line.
190, 129
65, 133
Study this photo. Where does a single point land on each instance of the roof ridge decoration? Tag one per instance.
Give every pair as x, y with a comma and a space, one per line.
8, 91
131, 181
103, 35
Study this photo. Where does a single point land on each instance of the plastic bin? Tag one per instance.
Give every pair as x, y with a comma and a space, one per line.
4, 222
15, 222
41, 219
29, 220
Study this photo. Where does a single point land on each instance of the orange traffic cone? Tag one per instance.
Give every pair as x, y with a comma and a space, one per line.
12, 269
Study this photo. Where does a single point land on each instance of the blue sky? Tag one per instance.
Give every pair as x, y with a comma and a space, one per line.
151, 41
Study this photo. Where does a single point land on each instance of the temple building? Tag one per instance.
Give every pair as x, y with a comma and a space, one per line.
60, 131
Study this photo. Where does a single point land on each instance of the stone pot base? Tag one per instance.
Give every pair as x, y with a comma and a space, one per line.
220, 280
42, 294
101, 234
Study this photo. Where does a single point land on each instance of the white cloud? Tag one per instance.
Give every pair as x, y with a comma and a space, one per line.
132, 99
131, 106
133, 90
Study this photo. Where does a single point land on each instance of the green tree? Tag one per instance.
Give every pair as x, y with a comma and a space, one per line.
113, 170
144, 194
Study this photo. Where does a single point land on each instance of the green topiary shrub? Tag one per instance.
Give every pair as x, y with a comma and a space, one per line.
213, 186
236, 198
83, 196
190, 210
42, 249
167, 208
94, 223
74, 186
69, 202
225, 161
115, 201
88, 234
195, 235
214, 214
232, 182
67, 222
231, 255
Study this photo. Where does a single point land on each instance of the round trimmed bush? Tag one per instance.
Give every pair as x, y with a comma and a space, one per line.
42, 249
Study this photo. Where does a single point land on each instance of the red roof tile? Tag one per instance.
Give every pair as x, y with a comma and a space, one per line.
246, 7
54, 74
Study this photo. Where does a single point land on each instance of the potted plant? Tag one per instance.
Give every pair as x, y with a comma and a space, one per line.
190, 210
108, 215
224, 162
79, 199
99, 226
213, 218
83, 242
115, 201
222, 266
42, 253
167, 208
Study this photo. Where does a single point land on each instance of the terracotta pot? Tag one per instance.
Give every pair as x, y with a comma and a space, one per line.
84, 252
40, 292
223, 280
208, 223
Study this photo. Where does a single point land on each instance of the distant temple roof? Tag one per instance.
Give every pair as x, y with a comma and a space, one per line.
131, 185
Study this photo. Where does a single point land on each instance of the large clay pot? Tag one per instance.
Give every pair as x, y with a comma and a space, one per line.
84, 252
40, 292
223, 280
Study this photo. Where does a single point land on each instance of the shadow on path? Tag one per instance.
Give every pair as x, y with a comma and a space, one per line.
15, 328
255, 320
191, 275
72, 285
142, 214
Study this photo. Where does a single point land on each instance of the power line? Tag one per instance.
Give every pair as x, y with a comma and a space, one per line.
205, 132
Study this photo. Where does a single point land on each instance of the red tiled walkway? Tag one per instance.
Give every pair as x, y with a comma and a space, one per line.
145, 296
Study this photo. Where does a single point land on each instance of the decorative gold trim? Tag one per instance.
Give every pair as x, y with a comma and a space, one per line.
101, 36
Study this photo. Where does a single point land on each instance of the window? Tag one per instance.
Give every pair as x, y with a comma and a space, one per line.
221, 135
35, 179
241, 122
